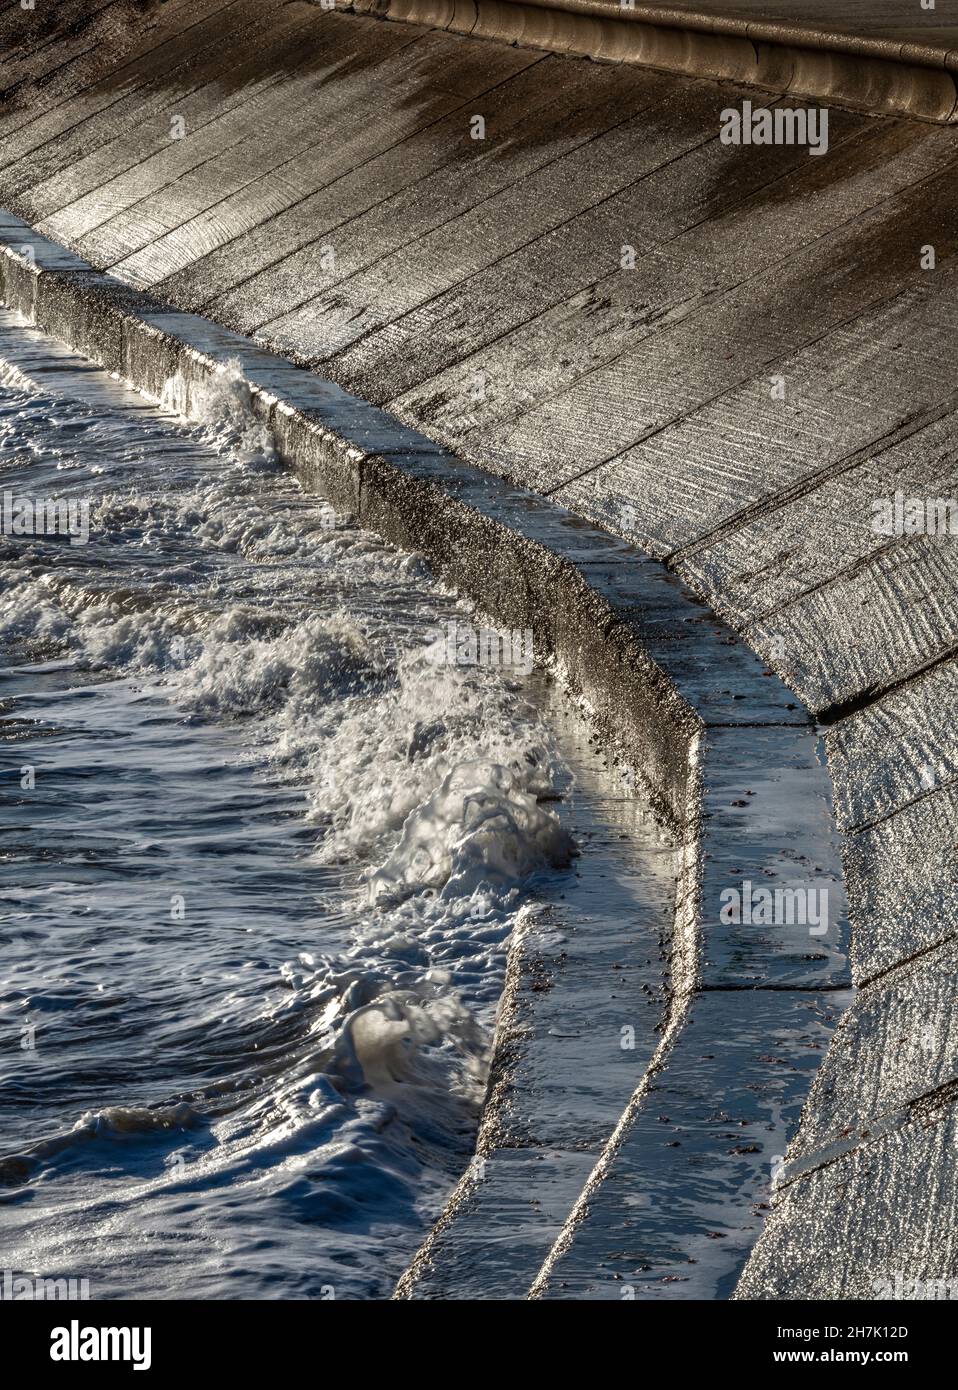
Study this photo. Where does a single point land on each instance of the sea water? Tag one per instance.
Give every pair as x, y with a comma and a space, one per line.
262, 855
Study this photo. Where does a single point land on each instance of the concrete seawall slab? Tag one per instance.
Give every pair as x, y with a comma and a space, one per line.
723, 356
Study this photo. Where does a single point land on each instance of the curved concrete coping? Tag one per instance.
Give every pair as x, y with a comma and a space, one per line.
799, 33
731, 764
867, 74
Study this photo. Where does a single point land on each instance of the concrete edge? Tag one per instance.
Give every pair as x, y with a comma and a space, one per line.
872, 75
798, 33
631, 643
681, 988
687, 939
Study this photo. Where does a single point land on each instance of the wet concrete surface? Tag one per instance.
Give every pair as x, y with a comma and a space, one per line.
686, 1195
777, 360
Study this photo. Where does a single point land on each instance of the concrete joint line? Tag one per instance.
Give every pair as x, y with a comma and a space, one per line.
774, 502
843, 709
926, 1109
792, 59
733, 767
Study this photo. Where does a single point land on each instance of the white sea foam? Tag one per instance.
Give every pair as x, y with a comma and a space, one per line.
221, 406
213, 587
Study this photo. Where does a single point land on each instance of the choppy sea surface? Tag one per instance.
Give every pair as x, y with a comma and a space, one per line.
261, 851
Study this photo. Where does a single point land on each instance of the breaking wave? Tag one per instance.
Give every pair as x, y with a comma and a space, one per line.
218, 607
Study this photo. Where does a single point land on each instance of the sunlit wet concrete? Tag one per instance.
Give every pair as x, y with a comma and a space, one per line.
774, 363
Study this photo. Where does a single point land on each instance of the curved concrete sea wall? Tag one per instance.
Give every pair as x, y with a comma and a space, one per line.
798, 59
671, 692
615, 378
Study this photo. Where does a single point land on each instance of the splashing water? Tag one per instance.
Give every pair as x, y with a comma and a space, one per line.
263, 869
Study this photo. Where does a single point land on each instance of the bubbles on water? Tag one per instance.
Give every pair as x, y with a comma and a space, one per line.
478, 829
214, 587
249, 663
222, 407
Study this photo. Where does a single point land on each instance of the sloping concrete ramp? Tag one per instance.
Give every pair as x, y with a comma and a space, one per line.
737, 358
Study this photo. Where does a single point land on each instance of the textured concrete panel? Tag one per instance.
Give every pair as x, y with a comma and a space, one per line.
873, 1224
774, 353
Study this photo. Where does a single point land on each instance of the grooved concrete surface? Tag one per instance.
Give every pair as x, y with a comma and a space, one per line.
725, 354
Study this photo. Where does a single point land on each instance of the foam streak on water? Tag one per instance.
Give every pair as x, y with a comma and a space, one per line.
261, 879
262, 858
